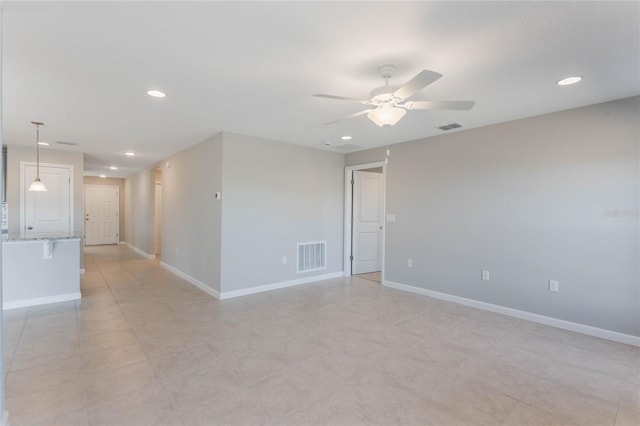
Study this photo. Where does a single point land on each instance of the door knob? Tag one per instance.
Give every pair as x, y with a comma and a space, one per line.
29, 228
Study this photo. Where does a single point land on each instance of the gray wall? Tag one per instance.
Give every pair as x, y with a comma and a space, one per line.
530, 201
139, 215
16, 154
191, 214
92, 180
274, 196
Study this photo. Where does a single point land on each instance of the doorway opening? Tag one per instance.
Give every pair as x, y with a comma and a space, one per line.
364, 236
158, 213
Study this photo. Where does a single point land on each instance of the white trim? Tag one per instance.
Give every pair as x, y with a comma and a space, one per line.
5, 419
276, 286
202, 286
541, 319
137, 250
23, 188
251, 290
82, 271
40, 301
348, 195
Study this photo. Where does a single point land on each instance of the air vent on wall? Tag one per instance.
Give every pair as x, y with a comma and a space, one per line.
66, 143
312, 256
450, 126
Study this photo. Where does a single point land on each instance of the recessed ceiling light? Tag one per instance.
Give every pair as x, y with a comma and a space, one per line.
156, 93
113, 167
130, 154
569, 80
103, 176
43, 143
346, 138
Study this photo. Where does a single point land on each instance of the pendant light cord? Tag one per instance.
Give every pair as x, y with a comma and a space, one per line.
38, 151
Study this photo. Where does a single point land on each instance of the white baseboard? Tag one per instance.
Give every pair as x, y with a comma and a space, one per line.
137, 250
202, 286
250, 290
541, 319
40, 301
283, 284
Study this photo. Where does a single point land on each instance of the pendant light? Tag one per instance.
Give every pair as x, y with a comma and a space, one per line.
37, 184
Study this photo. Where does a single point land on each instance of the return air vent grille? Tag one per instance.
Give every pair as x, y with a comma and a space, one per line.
312, 256
450, 126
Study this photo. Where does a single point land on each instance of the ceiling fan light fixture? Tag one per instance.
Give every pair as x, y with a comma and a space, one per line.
386, 115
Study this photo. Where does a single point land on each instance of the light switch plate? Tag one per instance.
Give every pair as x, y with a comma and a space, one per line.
391, 217
554, 286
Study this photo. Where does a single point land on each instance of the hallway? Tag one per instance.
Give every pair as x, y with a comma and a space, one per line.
144, 347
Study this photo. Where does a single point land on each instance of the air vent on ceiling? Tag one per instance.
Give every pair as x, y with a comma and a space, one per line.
312, 256
450, 126
66, 143
348, 147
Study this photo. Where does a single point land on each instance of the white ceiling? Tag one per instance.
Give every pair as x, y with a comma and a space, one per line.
84, 68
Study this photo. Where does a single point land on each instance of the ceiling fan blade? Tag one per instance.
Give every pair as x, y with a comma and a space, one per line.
351, 116
340, 98
457, 105
417, 83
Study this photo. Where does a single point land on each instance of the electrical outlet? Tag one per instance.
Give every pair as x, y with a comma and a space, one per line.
409, 263
284, 260
554, 286
485, 275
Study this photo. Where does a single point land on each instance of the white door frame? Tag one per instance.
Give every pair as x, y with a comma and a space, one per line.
84, 192
348, 211
23, 188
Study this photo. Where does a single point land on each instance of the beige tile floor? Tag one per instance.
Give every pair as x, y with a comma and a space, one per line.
146, 348
371, 276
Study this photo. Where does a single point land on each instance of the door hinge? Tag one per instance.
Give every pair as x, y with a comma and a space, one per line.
353, 182
351, 258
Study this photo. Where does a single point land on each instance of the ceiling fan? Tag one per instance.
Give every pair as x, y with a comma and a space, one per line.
388, 104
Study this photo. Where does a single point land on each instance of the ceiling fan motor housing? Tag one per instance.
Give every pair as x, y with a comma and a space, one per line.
384, 94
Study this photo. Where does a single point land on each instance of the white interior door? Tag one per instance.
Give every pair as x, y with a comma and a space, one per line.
158, 217
50, 211
102, 221
367, 222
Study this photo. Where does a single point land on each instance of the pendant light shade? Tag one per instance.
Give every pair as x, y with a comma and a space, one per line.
386, 115
37, 185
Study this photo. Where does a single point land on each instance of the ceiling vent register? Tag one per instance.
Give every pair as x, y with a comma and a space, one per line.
450, 126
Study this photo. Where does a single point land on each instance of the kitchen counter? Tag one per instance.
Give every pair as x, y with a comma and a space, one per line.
40, 237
